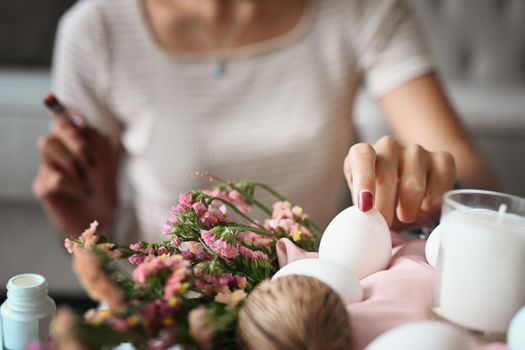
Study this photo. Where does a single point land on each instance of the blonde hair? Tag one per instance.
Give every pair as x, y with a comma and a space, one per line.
293, 312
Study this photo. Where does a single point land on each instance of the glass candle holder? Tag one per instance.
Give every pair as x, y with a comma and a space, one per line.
480, 279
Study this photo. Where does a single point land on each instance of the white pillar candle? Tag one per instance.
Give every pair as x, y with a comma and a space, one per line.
481, 268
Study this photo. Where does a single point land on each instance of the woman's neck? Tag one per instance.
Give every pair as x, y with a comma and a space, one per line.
180, 24
211, 12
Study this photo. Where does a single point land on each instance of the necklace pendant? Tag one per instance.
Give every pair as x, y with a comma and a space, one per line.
219, 68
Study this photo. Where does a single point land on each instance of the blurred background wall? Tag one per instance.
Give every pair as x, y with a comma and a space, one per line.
479, 46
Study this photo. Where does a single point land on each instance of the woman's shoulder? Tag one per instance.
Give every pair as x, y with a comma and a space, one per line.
92, 15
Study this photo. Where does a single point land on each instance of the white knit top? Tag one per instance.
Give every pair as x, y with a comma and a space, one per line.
281, 114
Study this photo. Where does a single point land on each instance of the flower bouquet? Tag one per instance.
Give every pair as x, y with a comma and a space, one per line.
188, 289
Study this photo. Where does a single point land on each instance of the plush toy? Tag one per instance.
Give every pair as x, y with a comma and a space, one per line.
293, 312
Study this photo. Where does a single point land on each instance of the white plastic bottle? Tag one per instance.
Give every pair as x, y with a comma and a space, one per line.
27, 312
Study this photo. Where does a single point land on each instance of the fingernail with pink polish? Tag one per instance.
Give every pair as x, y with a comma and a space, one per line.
365, 200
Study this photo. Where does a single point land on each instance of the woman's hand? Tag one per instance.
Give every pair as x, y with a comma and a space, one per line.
76, 181
406, 184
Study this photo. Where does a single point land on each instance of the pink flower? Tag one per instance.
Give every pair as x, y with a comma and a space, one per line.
220, 246
149, 312
136, 259
135, 246
240, 281
175, 241
34, 345
166, 228
164, 308
89, 236
180, 208
88, 267
162, 250
289, 226
69, 245
212, 217
282, 210
230, 299
285, 210
185, 198
255, 240
193, 250
233, 197
152, 264
174, 283
213, 283
119, 324
199, 209
252, 254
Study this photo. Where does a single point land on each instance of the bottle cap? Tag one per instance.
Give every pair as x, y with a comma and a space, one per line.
26, 284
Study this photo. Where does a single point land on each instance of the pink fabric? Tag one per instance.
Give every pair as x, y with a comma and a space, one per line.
398, 295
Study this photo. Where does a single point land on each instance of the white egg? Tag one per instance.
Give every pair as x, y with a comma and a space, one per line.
337, 277
432, 246
427, 335
516, 333
359, 241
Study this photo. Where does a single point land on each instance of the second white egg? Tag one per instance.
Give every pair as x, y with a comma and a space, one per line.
335, 276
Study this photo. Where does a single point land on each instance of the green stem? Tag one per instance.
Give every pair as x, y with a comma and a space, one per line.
208, 249
235, 209
251, 199
271, 191
260, 231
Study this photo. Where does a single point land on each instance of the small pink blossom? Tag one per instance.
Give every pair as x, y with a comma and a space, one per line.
255, 240
252, 254
136, 259
211, 283
282, 210
185, 198
174, 283
89, 236
212, 217
290, 227
233, 197
199, 209
162, 250
193, 250
152, 264
176, 242
119, 324
166, 228
35, 345
230, 299
88, 267
69, 245
220, 246
149, 251
135, 246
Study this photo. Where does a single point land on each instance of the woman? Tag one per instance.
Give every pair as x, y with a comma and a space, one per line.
247, 89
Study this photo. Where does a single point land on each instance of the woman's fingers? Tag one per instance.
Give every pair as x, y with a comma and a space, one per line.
74, 141
51, 182
405, 184
413, 172
55, 153
441, 179
386, 176
360, 174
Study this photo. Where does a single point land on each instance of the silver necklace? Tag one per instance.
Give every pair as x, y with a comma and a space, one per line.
220, 49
